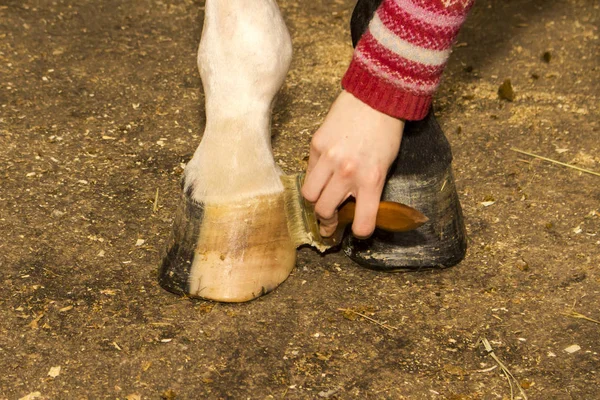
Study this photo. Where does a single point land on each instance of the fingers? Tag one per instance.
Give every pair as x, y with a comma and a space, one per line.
313, 158
367, 204
350, 154
318, 176
331, 197
328, 226
316, 179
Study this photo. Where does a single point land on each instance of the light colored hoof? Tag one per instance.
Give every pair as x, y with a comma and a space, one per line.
230, 252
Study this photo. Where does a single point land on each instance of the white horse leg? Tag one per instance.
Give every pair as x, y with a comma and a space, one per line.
231, 241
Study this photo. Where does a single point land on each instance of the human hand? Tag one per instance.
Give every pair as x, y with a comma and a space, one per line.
350, 155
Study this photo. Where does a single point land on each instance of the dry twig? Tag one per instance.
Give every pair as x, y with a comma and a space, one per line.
481, 371
155, 207
383, 325
575, 314
556, 162
507, 373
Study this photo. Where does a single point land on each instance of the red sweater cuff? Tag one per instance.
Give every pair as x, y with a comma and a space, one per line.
384, 96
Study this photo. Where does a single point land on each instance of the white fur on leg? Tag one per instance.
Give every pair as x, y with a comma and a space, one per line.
243, 58
244, 248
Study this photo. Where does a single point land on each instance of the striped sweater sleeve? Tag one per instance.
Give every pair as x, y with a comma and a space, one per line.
397, 64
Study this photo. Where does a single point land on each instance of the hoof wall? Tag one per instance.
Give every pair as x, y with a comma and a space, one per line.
232, 252
439, 243
174, 272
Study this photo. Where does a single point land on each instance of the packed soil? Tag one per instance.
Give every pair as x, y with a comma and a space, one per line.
101, 106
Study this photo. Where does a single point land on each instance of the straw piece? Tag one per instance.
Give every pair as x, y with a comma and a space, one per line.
384, 326
155, 206
507, 373
556, 162
575, 314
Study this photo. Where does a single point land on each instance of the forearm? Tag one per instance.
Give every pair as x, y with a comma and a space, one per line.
398, 63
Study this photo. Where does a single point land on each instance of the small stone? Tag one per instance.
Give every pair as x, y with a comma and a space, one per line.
522, 265
57, 213
168, 395
505, 91
54, 372
573, 349
454, 370
349, 315
547, 56
140, 242
327, 394
525, 384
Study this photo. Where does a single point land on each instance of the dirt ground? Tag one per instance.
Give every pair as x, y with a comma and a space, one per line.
100, 106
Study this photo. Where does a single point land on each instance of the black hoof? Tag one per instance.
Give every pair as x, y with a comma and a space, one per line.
174, 272
421, 177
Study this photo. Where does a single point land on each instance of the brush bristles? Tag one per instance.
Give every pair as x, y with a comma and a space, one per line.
301, 221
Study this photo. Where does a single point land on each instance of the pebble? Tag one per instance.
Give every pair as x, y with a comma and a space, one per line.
573, 348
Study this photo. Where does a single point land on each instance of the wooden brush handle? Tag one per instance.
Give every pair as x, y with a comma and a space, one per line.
391, 216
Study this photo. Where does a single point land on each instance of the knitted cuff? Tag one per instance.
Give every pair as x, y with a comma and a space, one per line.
383, 96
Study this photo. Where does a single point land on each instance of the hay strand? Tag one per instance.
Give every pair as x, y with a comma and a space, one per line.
155, 206
575, 314
556, 162
507, 373
381, 324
